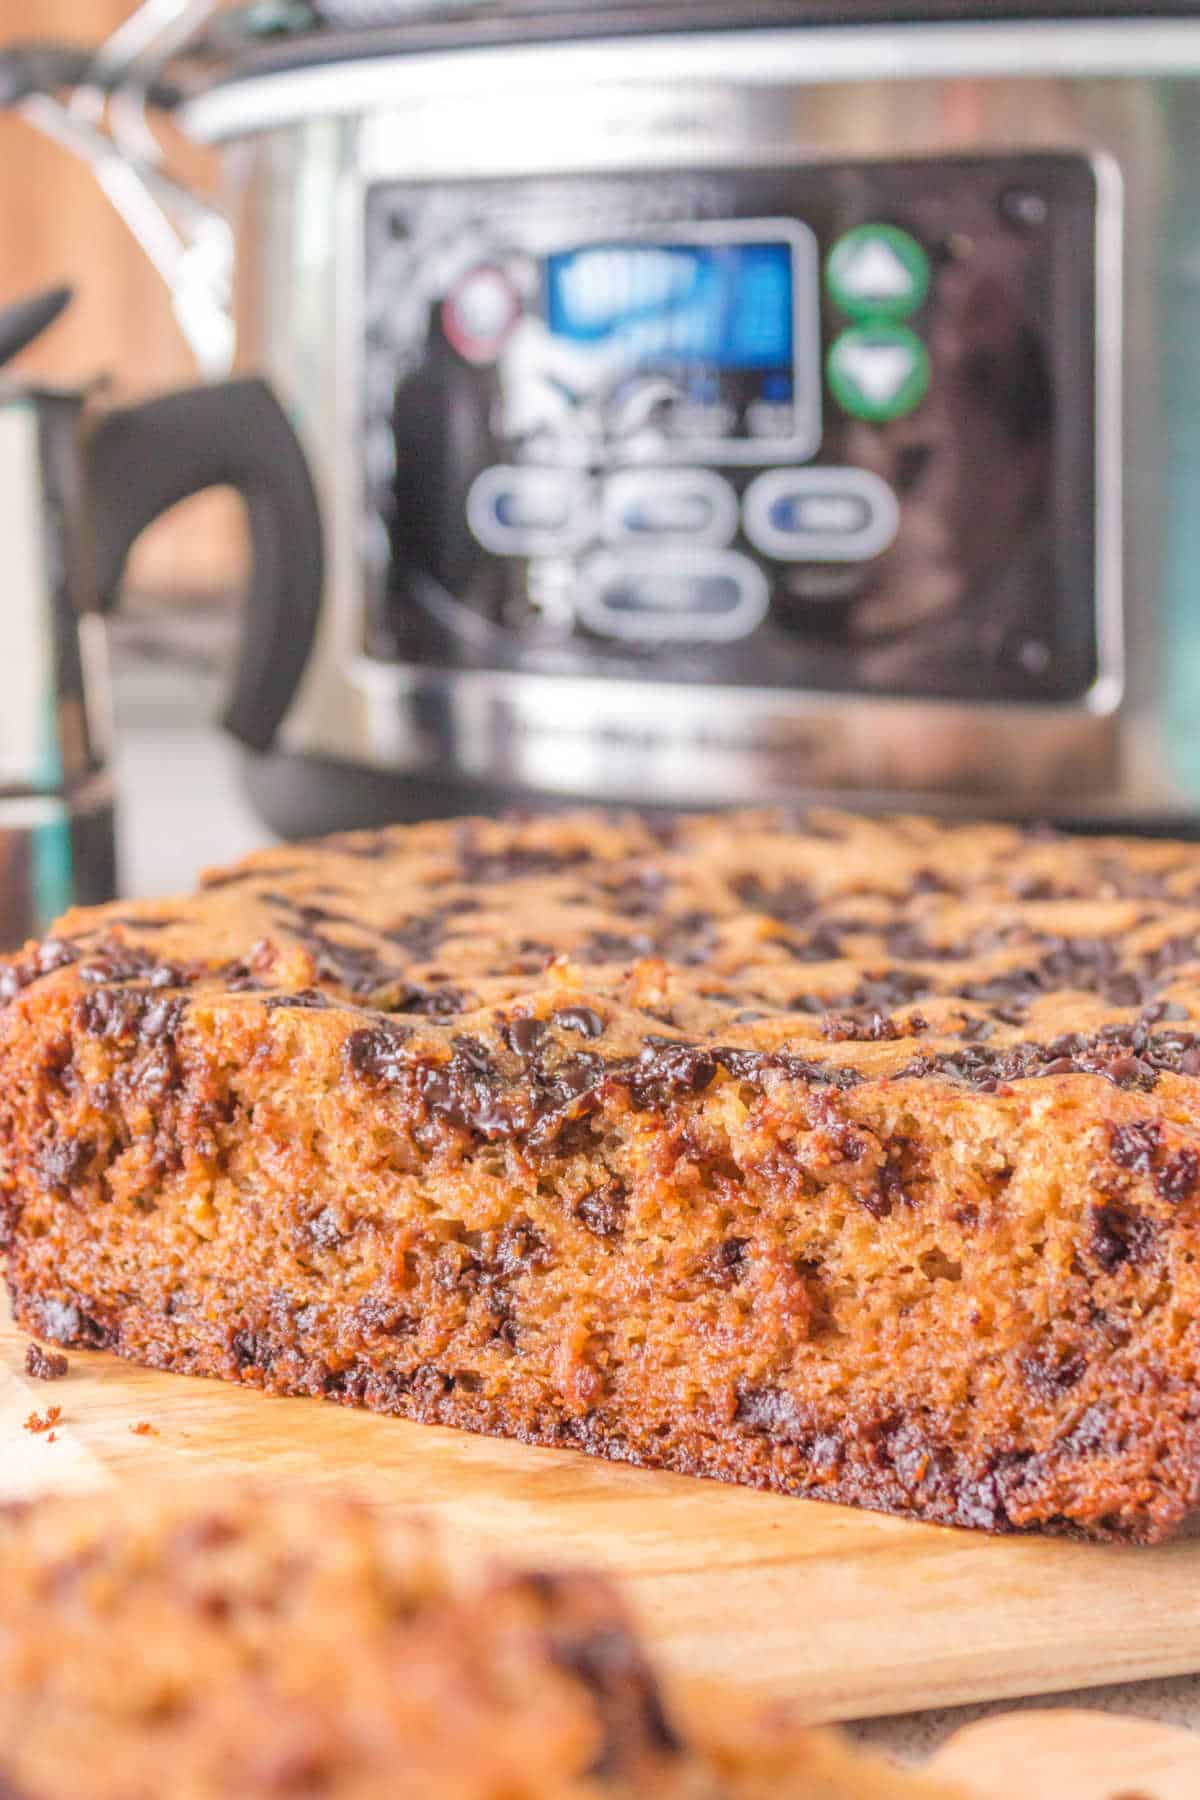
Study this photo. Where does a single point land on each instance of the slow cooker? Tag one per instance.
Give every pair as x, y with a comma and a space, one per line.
707, 403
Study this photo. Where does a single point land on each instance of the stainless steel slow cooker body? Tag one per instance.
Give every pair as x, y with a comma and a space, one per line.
312, 141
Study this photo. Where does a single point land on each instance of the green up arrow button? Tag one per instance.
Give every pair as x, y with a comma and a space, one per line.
877, 272
878, 372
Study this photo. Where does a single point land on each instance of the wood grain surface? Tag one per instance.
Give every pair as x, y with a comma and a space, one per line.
1072, 1755
850, 1613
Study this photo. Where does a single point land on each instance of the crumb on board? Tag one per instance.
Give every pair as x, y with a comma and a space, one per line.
143, 1428
44, 1422
45, 1365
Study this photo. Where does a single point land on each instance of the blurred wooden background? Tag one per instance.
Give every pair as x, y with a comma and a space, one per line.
55, 226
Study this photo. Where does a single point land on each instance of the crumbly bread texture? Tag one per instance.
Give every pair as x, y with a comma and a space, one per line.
849, 1158
204, 1645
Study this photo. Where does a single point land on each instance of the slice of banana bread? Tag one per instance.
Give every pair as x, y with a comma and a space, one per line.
856, 1159
203, 1646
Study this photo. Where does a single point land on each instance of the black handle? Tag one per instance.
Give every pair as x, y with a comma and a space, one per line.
26, 320
44, 68
143, 459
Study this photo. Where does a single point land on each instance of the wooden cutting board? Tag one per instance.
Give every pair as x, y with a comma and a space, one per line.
851, 1613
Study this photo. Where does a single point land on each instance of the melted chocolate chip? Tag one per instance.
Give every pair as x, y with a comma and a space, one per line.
869, 1028
603, 1211
1135, 1147
119, 1012
523, 1035
515, 862
1051, 1372
307, 999
584, 1019
427, 1002
45, 1365
928, 881
725, 1263
613, 1669
130, 962
323, 1229
824, 944
1130, 1056
375, 1053
1177, 1179
775, 1413
612, 946
520, 1248
637, 895
791, 902
1116, 1236
666, 1071
61, 1161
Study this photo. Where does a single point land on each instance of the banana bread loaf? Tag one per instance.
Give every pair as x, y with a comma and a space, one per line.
205, 1646
849, 1158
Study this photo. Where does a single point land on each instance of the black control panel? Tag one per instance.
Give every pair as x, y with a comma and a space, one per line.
823, 428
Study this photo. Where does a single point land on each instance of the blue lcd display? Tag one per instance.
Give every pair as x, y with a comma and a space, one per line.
729, 306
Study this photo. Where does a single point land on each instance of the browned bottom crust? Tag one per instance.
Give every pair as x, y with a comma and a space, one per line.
902, 1466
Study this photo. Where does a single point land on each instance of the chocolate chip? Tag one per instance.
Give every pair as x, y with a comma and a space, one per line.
513, 862
612, 1667
775, 1413
584, 1019
1176, 1180
666, 1071
603, 1210
129, 962
723, 1265
45, 1365
375, 1053
519, 1249
61, 1161
307, 999
128, 1013
1050, 1372
1117, 1237
324, 1230
523, 1035
791, 902
1134, 1147
611, 946
21, 971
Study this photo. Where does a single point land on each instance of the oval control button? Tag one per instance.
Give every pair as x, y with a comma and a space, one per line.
656, 596
820, 515
528, 512
666, 505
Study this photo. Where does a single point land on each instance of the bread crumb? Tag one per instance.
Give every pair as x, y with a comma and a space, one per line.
143, 1428
45, 1365
35, 1422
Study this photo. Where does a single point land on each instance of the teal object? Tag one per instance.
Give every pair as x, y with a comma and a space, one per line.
53, 869
1179, 666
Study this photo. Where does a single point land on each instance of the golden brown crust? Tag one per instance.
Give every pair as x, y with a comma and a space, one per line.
856, 1158
204, 1644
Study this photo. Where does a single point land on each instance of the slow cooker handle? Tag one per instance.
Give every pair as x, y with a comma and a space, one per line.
42, 67
189, 241
143, 459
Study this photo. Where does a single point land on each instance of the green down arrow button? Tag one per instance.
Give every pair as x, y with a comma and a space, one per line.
878, 372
